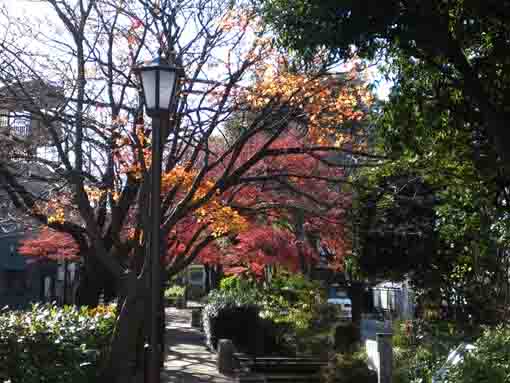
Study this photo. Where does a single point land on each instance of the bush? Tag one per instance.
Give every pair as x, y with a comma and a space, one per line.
421, 347
228, 315
53, 344
292, 299
294, 318
489, 362
348, 368
175, 291
233, 283
346, 337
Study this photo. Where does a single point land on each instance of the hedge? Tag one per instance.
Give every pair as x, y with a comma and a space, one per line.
54, 344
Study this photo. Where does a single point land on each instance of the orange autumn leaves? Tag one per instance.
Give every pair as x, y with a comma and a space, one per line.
220, 218
325, 102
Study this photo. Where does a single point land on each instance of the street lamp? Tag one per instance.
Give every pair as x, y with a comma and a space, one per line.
159, 82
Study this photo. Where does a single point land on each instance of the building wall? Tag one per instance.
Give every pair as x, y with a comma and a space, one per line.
398, 299
22, 279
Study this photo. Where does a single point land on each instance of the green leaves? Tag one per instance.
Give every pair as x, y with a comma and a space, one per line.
174, 291
488, 362
54, 344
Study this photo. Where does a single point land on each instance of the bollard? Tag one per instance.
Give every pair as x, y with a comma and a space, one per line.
225, 356
385, 350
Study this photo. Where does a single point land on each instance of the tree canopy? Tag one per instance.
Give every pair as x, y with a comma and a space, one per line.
463, 45
99, 139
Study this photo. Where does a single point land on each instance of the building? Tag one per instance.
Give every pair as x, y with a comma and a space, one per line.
23, 134
395, 299
24, 280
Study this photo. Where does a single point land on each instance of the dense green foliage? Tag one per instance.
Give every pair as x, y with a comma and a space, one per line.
462, 45
488, 362
437, 210
54, 344
226, 315
288, 298
349, 368
421, 347
294, 316
174, 291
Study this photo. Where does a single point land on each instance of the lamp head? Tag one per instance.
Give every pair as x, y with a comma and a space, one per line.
158, 79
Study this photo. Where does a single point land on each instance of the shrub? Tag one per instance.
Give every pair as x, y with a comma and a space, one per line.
488, 362
293, 315
292, 299
53, 344
346, 337
421, 347
231, 283
175, 291
348, 368
228, 315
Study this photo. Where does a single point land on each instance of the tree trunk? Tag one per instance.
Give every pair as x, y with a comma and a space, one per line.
88, 290
95, 279
125, 362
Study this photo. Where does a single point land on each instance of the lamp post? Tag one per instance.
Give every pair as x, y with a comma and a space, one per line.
159, 80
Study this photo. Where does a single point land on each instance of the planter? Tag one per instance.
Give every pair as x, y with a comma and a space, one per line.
180, 303
169, 302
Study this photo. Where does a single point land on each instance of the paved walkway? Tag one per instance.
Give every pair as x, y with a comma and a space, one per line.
187, 359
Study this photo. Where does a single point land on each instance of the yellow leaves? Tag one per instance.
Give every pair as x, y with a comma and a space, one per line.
327, 102
178, 176
54, 209
57, 217
142, 137
122, 141
103, 310
222, 220
94, 194
115, 196
135, 235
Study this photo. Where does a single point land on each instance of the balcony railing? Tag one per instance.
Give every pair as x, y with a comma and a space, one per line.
20, 124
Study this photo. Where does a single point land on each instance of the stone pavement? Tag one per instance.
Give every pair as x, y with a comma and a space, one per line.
187, 360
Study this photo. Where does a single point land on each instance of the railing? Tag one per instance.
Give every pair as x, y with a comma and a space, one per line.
19, 124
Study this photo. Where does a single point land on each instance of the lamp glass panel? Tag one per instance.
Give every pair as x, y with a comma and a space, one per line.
166, 88
149, 87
